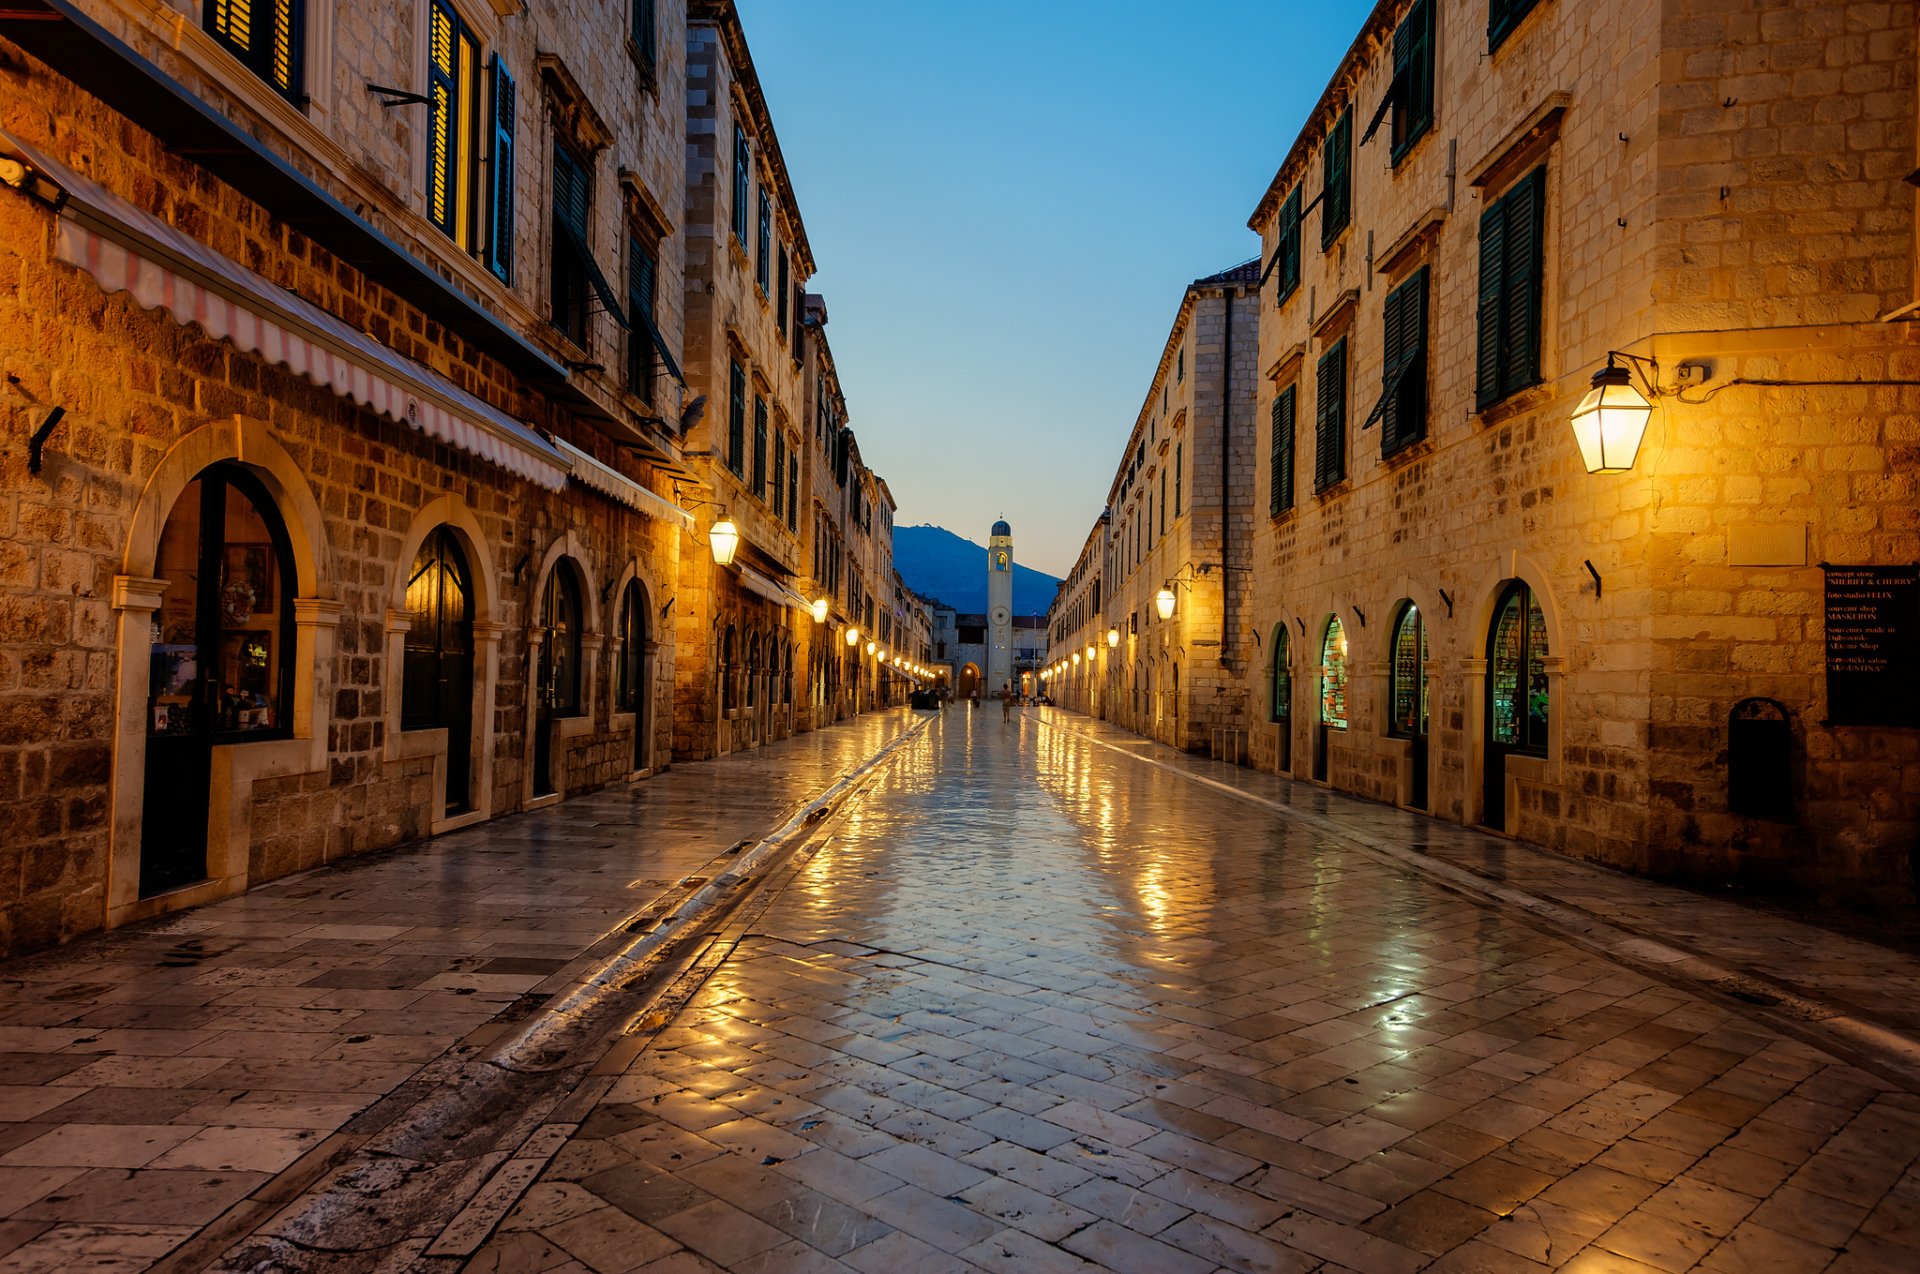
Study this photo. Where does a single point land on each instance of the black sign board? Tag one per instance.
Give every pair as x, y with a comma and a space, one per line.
1873, 645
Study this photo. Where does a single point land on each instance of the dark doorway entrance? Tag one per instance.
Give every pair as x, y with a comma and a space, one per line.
557, 692
437, 686
969, 684
1407, 696
629, 667
221, 659
1282, 699
1518, 702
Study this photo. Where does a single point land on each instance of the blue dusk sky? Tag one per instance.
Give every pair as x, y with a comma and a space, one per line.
1005, 202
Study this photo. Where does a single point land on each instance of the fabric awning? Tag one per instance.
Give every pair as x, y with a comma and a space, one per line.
615, 485
753, 581
127, 250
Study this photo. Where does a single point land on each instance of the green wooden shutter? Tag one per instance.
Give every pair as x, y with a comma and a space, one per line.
1413, 77
642, 275
1493, 256
793, 492
500, 211
443, 114
1289, 245
1393, 350
266, 35
760, 447
1330, 418
645, 38
742, 157
1179, 464
1526, 207
1336, 167
779, 472
1280, 459
737, 420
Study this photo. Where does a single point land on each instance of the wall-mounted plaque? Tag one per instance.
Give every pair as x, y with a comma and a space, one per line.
1873, 645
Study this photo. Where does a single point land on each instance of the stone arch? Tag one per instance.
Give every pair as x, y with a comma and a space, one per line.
136, 596
1512, 565
636, 575
567, 545
565, 548
457, 516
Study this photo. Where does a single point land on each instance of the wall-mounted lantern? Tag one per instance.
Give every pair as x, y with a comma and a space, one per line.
725, 539
1610, 421
853, 636
1113, 637
1163, 600
819, 609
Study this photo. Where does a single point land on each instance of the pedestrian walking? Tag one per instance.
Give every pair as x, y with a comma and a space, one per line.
1006, 703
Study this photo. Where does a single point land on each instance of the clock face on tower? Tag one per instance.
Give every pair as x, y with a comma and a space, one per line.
1000, 615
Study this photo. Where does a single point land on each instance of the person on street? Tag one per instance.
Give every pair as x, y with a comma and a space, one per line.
1006, 703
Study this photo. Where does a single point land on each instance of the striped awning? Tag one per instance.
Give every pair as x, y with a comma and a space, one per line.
127, 250
615, 485
779, 594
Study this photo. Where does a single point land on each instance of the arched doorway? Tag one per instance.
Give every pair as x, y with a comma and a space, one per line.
1282, 699
1333, 695
221, 659
1407, 713
630, 666
1519, 707
557, 692
969, 682
437, 671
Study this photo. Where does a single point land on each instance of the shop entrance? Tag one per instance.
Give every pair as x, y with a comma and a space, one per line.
437, 685
1518, 700
221, 659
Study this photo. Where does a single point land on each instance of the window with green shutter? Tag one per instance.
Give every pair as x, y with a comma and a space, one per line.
786, 288
1330, 418
793, 491
762, 264
1502, 17
1402, 408
760, 446
500, 209
1280, 458
779, 472
737, 419
742, 164
1179, 463
267, 36
1512, 238
646, 40
1286, 255
572, 200
1413, 77
1336, 172
643, 271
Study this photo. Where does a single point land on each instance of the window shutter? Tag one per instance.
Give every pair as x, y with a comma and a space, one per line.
1394, 349
737, 420
1336, 202
501, 212
286, 57
1289, 245
1280, 460
779, 472
1493, 255
1520, 280
760, 447
1330, 418
443, 122
793, 493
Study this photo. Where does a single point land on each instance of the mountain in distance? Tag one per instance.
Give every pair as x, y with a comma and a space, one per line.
940, 565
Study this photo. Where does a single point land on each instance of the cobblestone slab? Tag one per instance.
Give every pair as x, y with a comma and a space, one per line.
1039, 1006
155, 1077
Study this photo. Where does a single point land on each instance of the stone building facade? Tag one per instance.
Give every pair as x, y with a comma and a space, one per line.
1176, 520
1482, 210
357, 495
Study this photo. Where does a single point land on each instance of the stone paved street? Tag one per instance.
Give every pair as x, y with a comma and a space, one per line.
156, 1077
1040, 1005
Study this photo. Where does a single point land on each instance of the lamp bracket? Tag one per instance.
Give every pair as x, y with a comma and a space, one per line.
1649, 369
1596, 577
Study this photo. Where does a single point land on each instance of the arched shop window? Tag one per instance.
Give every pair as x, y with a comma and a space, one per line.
437, 685
1519, 708
630, 644
560, 651
1282, 708
1333, 678
1407, 690
222, 657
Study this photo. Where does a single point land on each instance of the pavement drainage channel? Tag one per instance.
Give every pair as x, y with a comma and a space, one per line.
430, 1170
1866, 1043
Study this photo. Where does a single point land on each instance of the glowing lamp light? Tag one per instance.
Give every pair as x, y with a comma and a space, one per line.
819, 609
1113, 637
1163, 601
1076, 659
1090, 653
1610, 421
725, 539
853, 636
872, 646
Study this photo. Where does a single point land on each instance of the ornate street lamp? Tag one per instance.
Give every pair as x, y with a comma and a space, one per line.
725, 539
1610, 421
1113, 637
853, 636
819, 609
1164, 599
1091, 652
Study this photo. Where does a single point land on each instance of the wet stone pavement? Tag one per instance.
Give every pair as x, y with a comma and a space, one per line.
1038, 1004
155, 1079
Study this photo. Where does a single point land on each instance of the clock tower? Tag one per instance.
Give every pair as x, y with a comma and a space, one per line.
999, 607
